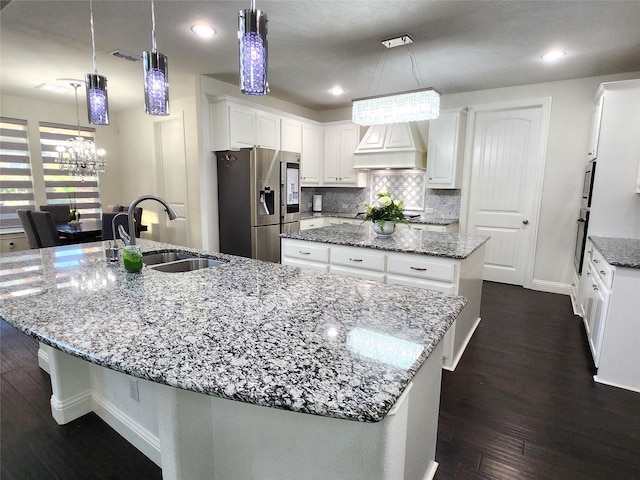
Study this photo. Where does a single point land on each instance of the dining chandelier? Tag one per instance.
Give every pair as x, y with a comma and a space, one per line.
79, 156
252, 44
96, 86
408, 106
156, 76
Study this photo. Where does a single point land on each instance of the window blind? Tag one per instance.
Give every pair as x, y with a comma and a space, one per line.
61, 188
16, 181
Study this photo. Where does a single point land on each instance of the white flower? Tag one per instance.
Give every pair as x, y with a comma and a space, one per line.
384, 193
384, 201
399, 204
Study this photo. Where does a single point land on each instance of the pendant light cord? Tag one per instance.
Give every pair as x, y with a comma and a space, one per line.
415, 68
153, 28
93, 40
75, 87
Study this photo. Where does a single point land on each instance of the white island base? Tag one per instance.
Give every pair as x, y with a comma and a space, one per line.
195, 436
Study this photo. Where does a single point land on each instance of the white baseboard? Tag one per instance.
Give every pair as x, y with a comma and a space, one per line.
133, 432
43, 359
71, 408
463, 348
617, 385
551, 287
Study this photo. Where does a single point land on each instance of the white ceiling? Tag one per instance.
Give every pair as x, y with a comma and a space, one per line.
313, 45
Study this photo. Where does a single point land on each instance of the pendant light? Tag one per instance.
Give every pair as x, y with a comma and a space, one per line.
96, 87
409, 106
252, 43
156, 76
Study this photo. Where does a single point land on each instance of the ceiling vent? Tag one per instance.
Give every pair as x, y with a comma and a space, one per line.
132, 57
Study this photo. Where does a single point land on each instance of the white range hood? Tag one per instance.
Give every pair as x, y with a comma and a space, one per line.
398, 145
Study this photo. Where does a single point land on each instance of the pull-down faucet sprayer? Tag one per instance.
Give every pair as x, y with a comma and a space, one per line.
132, 225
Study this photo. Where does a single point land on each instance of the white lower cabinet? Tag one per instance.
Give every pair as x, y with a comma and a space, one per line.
451, 228
446, 275
610, 298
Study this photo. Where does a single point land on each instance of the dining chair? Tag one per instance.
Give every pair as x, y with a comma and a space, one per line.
60, 212
29, 229
45, 228
107, 226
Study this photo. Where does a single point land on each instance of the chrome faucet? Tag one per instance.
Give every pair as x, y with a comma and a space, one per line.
126, 239
132, 222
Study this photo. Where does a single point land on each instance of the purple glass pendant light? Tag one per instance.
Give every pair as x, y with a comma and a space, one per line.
252, 42
96, 87
156, 76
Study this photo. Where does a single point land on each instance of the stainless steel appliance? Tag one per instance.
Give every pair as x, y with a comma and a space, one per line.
258, 198
583, 219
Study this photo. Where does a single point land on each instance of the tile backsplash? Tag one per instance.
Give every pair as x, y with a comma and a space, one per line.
405, 184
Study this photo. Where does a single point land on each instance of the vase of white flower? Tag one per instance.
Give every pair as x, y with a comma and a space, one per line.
386, 214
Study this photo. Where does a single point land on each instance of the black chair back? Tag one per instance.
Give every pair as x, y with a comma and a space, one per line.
60, 212
29, 229
45, 228
107, 226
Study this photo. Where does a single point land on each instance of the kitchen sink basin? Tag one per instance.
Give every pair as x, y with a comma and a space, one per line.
164, 257
186, 265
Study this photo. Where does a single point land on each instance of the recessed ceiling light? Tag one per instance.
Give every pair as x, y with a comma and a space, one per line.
553, 55
203, 31
337, 91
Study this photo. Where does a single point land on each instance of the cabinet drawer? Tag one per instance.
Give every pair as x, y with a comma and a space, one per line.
357, 272
359, 258
427, 268
443, 287
321, 267
602, 267
309, 223
306, 251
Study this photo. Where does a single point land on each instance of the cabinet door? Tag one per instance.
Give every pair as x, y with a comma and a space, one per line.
267, 130
596, 121
348, 145
241, 126
331, 173
445, 150
291, 132
312, 155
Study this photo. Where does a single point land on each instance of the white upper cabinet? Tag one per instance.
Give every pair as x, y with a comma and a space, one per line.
445, 149
340, 141
596, 122
236, 125
267, 130
312, 157
291, 131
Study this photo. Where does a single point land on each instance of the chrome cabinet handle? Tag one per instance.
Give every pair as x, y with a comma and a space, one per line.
304, 253
355, 259
602, 272
420, 269
525, 222
595, 260
595, 288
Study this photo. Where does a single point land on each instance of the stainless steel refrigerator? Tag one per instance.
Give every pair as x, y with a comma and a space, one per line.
258, 198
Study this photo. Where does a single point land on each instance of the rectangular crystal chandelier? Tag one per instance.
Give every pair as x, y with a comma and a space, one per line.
410, 106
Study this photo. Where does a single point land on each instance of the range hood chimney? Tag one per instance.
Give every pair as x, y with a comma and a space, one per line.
397, 145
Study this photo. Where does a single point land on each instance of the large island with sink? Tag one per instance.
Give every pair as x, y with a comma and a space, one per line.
246, 369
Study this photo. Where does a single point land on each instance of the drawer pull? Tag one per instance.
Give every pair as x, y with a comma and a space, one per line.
603, 273
595, 288
420, 269
304, 253
355, 259
595, 260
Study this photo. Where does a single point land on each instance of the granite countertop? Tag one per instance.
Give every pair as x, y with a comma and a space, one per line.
422, 218
620, 252
449, 245
251, 331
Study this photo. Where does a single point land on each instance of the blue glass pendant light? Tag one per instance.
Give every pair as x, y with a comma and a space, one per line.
156, 76
252, 43
96, 88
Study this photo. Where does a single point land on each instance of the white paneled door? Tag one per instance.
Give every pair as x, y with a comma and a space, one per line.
505, 186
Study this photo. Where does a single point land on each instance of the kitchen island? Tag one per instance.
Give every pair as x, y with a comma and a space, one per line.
245, 370
446, 262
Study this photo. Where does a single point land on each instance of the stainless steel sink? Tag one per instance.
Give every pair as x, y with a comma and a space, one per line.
175, 261
186, 265
164, 257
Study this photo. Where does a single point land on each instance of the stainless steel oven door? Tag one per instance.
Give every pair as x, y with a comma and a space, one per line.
581, 239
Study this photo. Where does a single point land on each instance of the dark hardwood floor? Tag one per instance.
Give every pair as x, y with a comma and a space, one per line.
521, 404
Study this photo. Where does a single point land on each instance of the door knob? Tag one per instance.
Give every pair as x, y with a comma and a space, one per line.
525, 222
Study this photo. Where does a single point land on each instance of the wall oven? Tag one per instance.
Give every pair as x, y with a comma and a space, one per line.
587, 186
581, 239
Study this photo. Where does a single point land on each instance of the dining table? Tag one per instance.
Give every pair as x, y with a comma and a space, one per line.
88, 230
